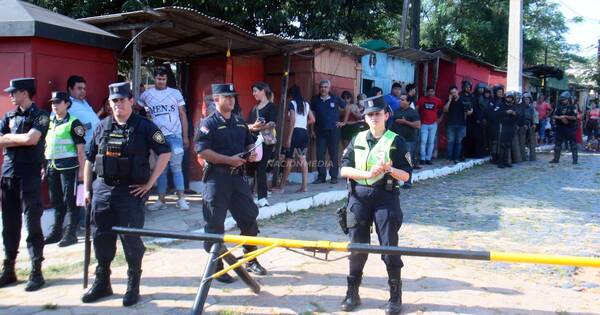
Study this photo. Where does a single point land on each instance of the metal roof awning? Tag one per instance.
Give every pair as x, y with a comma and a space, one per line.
291, 44
412, 54
19, 18
180, 33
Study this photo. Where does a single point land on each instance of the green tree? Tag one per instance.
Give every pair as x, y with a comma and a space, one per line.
480, 28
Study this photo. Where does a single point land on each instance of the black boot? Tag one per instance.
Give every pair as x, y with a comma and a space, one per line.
557, 150
101, 286
55, 234
70, 236
8, 273
225, 278
352, 299
574, 152
132, 295
36, 280
395, 302
254, 267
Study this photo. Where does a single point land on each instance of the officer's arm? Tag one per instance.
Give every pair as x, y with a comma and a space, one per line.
214, 157
348, 170
30, 138
161, 164
88, 176
398, 174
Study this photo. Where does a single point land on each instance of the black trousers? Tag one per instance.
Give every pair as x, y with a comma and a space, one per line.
328, 140
21, 195
62, 186
374, 204
259, 172
225, 191
115, 206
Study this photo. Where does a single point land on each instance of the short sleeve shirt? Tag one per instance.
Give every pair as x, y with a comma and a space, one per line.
78, 136
327, 111
224, 136
456, 113
428, 108
405, 131
268, 112
82, 110
398, 154
163, 107
24, 160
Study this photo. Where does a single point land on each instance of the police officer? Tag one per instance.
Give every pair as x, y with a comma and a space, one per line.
221, 141
492, 118
64, 167
565, 117
476, 121
118, 154
374, 162
526, 132
22, 133
508, 121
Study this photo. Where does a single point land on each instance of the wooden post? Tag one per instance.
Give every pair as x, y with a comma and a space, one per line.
404, 22
281, 119
425, 76
137, 65
436, 71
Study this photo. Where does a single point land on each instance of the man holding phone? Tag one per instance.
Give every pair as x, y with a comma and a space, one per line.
456, 126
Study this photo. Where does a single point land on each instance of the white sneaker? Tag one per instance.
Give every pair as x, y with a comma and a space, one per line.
263, 202
158, 205
183, 204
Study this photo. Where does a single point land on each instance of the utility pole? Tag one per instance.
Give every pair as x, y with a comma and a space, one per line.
415, 22
515, 46
404, 22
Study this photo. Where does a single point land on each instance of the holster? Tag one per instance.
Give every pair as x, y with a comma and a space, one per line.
342, 214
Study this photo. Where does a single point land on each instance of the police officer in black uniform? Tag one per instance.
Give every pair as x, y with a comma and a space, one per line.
22, 133
492, 122
508, 121
222, 140
375, 161
118, 154
565, 117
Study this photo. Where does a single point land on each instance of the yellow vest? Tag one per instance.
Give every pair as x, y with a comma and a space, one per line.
365, 159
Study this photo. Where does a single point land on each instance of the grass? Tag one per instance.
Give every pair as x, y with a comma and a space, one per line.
228, 312
50, 306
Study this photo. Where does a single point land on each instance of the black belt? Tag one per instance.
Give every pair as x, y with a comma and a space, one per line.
221, 169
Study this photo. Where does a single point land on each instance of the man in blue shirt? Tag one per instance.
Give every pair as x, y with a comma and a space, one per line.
80, 108
392, 99
326, 108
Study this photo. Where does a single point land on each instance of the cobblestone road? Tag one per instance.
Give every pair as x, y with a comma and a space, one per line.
533, 207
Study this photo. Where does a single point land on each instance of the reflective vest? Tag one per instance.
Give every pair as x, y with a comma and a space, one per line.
59, 143
365, 158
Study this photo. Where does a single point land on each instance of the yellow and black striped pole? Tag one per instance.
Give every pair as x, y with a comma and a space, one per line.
371, 249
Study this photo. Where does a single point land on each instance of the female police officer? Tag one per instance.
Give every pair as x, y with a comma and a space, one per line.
119, 153
374, 161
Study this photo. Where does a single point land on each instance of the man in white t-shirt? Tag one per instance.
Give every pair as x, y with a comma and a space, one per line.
166, 108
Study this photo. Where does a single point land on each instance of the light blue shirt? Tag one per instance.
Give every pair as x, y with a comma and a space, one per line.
85, 113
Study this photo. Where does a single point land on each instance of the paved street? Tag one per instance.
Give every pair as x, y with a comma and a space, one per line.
533, 207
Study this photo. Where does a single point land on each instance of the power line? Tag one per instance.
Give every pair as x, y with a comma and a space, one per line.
577, 13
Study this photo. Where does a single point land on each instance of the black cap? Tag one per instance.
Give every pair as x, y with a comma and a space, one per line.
373, 104
119, 90
58, 96
226, 89
26, 84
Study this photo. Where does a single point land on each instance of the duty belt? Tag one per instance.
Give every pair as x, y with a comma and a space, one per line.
223, 169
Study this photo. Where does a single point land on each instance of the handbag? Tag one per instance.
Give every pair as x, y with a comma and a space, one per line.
269, 135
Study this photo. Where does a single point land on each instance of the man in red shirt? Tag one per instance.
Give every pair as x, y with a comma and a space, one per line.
430, 109
544, 109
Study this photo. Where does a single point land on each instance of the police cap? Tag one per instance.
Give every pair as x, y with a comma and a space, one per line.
527, 95
226, 89
373, 104
512, 94
58, 96
565, 95
119, 90
21, 84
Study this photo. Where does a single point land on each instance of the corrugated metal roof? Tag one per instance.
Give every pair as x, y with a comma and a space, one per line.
412, 54
18, 18
293, 43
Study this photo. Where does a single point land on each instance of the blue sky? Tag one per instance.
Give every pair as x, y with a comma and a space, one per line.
587, 33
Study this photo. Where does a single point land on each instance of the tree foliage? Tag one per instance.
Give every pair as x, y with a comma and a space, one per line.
337, 19
480, 28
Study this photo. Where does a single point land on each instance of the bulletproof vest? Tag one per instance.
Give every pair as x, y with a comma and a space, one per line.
117, 160
365, 158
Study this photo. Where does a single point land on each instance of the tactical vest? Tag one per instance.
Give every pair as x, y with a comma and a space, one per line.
59, 143
118, 161
365, 158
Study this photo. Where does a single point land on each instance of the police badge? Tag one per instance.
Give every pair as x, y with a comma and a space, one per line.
158, 137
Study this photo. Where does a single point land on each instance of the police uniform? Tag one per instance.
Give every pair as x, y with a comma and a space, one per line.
565, 132
120, 157
62, 168
507, 130
526, 134
375, 201
21, 187
493, 127
226, 187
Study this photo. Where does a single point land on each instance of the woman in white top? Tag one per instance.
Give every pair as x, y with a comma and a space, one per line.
296, 143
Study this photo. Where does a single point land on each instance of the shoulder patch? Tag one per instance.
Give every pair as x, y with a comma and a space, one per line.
80, 131
158, 137
43, 120
407, 157
204, 130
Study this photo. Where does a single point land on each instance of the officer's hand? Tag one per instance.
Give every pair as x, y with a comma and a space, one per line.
88, 197
237, 161
340, 124
253, 157
140, 190
186, 143
80, 175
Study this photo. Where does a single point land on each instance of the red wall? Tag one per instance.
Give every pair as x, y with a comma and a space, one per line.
470, 70
248, 70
